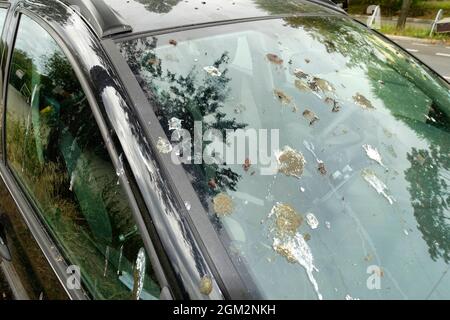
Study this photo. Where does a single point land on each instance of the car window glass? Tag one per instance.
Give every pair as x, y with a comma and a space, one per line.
57, 153
340, 173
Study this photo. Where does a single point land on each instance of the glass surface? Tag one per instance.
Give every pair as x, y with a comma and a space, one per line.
358, 203
56, 151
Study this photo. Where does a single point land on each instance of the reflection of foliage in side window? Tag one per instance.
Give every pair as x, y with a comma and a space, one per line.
188, 98
73, 185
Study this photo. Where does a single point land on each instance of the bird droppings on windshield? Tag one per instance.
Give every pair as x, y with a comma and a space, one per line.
321, 84
285, 252
212, 184
310, 116
223, 205
273, 58
173, 42
373, 154
300, 85
291, 162
420, 159
284, 98
247, 164
363, 102
154, 61
335, 105
287, 220
308, 83
312, 221
206, 285
377, 184
322, 169
163, 146
299, 73
296, 250
212, 71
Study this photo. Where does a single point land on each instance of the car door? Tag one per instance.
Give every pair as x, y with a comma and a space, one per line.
58, 168
24, 266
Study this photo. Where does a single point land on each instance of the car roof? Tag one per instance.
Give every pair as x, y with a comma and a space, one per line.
137, 16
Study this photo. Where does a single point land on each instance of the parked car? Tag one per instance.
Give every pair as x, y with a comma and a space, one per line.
343, 194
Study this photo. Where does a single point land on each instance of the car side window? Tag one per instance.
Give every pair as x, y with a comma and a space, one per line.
56, 151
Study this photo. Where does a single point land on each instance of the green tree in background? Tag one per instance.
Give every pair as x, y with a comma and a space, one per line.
406, 5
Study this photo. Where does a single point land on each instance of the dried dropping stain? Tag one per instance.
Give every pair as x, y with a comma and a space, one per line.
307, 60
372, 179
284, 251
296, 250
291, 162
363, 102
310, 116
223, 204
206, 285
273, 58
322, 169
246, 165
300, 74
420, 159
312, 221
173, 42
287, 220
212, 184
368, 258
154, 61
333, 103
373, 154
323, 85
163, 146
212, 71
302, 86
284, 99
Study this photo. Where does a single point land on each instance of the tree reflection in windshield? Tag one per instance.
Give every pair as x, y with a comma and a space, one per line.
332, 87
159, 6
189, 99
429, 178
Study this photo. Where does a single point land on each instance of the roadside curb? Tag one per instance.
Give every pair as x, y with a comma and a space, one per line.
421, 40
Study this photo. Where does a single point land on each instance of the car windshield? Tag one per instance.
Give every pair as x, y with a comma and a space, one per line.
324, 160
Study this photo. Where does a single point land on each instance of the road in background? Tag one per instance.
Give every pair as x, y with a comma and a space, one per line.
437, 56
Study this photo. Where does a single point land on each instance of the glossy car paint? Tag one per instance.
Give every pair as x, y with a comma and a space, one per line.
145, 15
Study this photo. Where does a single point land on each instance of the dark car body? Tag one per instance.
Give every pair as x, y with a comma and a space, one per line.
185, 251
